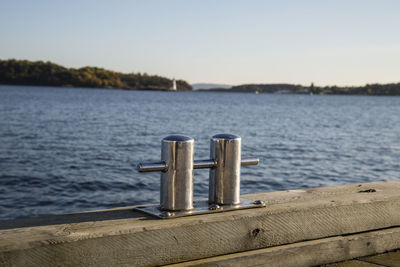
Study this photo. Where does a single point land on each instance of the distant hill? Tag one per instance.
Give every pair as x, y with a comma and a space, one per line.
206, 86
392, 89
24, 72
270, 88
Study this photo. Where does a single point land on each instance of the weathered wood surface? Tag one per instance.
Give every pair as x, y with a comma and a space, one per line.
315, 252
124, 237
391, 259
352, 263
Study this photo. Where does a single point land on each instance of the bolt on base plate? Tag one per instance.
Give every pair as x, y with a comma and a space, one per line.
200, 207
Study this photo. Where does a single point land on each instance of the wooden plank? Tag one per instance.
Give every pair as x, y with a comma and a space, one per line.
388, 259
316, 252
121, 236
352, 263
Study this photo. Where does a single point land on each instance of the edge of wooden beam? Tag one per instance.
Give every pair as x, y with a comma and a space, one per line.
310, 253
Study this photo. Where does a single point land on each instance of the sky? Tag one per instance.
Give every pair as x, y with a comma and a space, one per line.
212, 41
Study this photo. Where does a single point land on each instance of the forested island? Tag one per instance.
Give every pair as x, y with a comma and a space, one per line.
24, 72
391, 89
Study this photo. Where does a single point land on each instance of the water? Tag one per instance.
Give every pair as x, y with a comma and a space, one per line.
67, 150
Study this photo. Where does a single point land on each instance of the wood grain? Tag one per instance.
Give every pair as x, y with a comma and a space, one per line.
123, 237
316, 252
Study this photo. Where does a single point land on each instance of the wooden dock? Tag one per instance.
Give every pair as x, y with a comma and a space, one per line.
391, 259
305, 227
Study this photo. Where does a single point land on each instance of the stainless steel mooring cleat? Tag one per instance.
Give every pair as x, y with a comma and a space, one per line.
176, 182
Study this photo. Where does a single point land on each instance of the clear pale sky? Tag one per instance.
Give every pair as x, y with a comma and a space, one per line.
217, 41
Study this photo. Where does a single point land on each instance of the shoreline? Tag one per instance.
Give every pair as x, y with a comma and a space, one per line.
198, 90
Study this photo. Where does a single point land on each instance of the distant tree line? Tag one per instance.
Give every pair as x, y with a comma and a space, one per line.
24, 72
391, 89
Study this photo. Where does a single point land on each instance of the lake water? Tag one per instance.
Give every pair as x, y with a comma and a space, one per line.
66, 150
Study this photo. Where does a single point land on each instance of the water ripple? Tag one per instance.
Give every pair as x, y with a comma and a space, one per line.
66, 150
